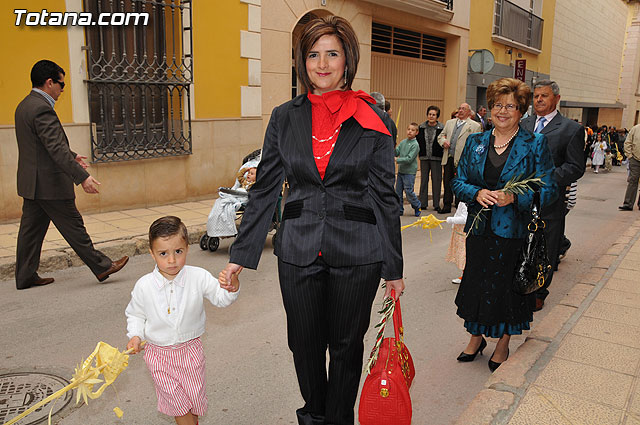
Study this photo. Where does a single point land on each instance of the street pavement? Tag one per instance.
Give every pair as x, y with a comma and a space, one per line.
588, 328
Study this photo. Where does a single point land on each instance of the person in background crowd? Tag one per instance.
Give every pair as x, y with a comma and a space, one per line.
481, 117
632, 152
486, 300
566, 141
406, 154
394, 128
380, 104
452, 139
430, 155
599, 148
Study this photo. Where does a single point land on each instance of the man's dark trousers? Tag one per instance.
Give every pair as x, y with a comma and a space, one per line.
36, 216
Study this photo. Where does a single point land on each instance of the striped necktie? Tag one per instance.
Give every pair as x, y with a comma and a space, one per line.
540, 125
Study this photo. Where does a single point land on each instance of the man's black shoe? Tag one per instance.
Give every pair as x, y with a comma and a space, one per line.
625, 208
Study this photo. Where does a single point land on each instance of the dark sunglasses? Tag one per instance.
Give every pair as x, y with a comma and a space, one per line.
61, 84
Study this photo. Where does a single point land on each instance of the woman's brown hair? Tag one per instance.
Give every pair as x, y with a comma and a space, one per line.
504, 86
329, 25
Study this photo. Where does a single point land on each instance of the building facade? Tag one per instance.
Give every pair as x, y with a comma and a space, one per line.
166, 111
509, 31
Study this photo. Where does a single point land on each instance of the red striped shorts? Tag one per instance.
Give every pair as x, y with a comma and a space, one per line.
179, 377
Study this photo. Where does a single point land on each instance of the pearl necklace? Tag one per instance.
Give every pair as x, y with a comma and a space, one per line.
504, 145
327, 139
327, 153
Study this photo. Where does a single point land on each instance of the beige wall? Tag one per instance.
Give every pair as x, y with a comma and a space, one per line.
610, 117
586, 56
218, 148
629, 77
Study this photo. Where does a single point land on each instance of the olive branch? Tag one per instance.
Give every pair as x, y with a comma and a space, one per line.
515, 186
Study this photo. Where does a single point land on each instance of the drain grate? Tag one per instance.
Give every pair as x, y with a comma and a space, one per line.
20, 391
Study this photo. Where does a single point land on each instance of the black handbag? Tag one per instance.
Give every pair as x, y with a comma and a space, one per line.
533, 266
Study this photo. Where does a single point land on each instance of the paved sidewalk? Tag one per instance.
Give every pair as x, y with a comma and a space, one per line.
581, 364
115, 233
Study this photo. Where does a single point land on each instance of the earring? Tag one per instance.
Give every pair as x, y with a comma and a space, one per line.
345, 75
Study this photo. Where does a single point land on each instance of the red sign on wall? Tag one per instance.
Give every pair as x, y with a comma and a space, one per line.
521, 69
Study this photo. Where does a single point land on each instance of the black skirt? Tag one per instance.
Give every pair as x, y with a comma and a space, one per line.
485, 298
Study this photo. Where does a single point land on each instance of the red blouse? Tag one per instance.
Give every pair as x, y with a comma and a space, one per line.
329, 111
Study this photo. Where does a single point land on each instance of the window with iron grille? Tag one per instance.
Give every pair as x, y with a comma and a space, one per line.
403, 42
139, 80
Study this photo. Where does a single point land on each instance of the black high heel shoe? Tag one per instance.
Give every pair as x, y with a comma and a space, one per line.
464, 357
494, 365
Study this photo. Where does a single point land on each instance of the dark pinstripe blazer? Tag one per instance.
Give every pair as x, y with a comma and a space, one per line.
352, 216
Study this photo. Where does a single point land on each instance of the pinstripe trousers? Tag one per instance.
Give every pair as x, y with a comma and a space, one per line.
328, 307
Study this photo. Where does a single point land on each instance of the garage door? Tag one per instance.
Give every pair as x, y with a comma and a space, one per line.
407, 67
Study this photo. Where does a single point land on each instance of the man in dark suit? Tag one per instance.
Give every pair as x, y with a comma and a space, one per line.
481, 117
47, 170
566, 141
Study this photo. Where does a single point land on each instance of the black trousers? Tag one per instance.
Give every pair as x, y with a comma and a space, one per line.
36, 216
449, 172
433, 167
328, 307
553, 232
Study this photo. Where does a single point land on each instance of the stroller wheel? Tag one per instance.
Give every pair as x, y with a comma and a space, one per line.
204, 242
214, 243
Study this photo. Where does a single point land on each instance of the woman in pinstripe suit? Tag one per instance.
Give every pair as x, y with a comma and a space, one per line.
341, 228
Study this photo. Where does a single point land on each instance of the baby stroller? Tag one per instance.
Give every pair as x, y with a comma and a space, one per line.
228, 209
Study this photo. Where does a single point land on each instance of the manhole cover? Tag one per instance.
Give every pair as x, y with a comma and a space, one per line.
20, 391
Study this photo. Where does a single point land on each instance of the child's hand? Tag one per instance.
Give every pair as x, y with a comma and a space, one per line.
235, 282
135, 344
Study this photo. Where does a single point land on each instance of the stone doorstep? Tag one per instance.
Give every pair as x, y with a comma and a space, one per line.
52, 260
492, 405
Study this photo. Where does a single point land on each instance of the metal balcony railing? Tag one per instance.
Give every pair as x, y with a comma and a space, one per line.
515, 23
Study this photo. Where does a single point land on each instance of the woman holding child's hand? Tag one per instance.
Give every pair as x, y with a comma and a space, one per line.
340, 231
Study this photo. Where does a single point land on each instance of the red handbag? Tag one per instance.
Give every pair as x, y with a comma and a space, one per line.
385, 396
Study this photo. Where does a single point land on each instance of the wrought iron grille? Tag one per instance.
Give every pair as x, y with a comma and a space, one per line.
517, 24
448, 3
139, 81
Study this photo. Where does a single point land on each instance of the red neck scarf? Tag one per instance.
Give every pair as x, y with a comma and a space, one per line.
335, 107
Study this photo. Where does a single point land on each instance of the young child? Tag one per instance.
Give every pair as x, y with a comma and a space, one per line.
457, 252
246, 177
406, 153
167, 310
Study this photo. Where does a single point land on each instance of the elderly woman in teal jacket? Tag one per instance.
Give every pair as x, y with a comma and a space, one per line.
497, 220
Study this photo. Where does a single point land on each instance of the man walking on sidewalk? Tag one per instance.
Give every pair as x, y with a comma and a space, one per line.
452, 139
632, 152
47, 170
566, 141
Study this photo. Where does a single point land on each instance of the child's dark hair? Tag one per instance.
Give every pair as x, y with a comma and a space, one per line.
167, 226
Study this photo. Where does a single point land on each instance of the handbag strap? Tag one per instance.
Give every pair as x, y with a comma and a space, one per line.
397, 318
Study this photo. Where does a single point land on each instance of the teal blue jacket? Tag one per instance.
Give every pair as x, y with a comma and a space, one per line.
529, 154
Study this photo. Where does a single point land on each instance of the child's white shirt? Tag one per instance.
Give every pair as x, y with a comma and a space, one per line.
148, 314
460, 217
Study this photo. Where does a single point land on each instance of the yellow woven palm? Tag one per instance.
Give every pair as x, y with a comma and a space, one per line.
105, 361
429, 222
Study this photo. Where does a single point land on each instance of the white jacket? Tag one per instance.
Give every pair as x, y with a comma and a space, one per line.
149, 321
